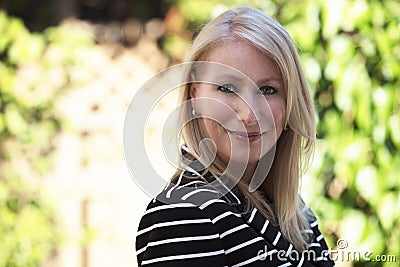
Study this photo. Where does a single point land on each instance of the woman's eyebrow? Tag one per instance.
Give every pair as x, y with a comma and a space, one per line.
228, 76
237, 78
269, 79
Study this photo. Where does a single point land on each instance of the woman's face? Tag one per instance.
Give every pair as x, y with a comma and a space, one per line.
243, 115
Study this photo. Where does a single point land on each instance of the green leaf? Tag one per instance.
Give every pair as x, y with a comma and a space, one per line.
15, 122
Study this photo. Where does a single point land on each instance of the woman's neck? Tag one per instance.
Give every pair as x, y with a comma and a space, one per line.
266, 185
248, 173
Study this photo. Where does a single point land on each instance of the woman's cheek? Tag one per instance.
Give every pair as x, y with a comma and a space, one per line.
218, 110
278, 112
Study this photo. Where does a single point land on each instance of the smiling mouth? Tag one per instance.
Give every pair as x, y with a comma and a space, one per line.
245, 136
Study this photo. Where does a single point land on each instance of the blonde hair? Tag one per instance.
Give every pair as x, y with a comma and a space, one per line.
296, 143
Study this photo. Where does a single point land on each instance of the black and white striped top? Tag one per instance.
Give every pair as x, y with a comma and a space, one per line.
189, 224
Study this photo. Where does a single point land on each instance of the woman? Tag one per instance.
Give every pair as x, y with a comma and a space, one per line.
215, 212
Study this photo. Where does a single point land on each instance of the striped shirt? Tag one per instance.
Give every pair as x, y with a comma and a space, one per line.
193, 224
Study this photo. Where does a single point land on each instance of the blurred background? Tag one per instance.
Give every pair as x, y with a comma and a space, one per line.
69, 69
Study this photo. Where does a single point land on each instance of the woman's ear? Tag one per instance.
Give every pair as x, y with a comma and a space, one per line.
192, 95
193, 90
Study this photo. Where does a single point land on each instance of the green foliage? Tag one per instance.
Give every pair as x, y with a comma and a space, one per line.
350, 51
357, 48
27, 233
33, 73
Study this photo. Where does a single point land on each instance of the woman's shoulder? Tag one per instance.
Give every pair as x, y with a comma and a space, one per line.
160, 215
171, 232
200, 188
179, 216
187, 200
189, 196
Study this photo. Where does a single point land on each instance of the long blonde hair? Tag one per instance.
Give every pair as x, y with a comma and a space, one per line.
296, 143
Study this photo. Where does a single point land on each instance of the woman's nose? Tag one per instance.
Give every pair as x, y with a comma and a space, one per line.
248, 110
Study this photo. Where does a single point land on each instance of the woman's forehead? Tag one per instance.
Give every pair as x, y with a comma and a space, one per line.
241, 57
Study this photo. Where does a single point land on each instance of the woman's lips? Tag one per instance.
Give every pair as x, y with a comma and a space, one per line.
245, 136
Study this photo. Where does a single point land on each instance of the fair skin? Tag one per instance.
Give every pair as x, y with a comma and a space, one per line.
244, 115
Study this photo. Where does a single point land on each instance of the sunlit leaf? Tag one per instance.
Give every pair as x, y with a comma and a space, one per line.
15, 122
333, 12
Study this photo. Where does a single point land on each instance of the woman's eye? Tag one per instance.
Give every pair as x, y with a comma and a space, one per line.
267, 90
227, 88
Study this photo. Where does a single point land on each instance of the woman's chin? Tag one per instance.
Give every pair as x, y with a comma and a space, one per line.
245, 159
